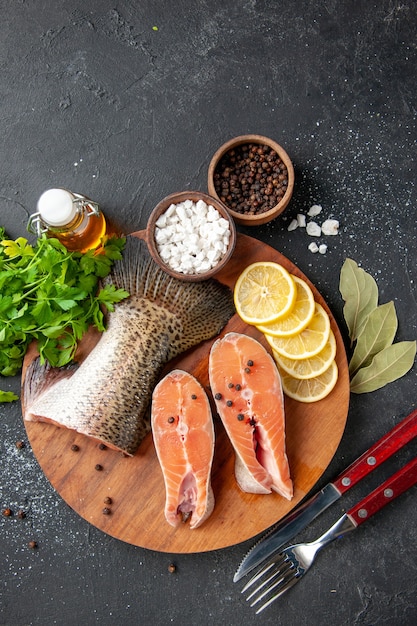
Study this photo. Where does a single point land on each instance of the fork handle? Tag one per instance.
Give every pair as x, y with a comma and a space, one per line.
391, 442
394, 486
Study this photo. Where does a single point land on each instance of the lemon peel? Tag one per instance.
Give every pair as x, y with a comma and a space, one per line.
308, 342
311, 367
299, 316
264, 292
311, 389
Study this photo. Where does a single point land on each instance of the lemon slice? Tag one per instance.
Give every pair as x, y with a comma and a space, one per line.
299, 316
311, 367
308, 342
264, 292
311, 389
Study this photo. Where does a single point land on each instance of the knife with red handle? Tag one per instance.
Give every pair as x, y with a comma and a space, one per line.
296, 521
394, 486
390, 443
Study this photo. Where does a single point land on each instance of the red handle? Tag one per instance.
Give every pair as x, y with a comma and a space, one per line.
390, 443
389, 490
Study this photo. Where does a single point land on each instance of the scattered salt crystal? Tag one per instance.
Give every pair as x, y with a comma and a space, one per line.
330, 227
313, 229
313, 247
314, 210
322, 248
293, 225
301, 220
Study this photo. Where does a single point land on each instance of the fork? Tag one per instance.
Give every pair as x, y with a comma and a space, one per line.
289, 566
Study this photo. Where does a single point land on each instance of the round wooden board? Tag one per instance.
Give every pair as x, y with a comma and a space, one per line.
135, 485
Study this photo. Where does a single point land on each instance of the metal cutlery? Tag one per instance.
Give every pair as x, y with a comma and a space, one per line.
297, 520
290, 565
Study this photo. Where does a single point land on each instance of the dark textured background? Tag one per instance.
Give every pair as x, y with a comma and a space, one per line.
92, 98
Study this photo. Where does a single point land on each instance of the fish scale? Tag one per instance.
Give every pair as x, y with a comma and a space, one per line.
107, 396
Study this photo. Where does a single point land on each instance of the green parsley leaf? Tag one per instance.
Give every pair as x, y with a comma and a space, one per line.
17, 248
109, 296
53, 296
7, 396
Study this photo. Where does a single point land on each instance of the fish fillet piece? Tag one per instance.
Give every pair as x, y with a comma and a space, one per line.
247, 390
183, 434
108, 395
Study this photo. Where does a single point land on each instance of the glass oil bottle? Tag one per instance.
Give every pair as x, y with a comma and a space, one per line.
75, 220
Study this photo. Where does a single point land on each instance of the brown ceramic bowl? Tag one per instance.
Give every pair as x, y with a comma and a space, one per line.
252, 218
177, 198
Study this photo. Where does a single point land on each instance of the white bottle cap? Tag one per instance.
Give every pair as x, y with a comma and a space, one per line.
56, 207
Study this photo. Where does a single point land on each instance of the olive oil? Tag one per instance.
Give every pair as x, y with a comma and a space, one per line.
75, 220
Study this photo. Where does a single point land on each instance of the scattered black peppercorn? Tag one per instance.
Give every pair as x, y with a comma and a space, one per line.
240, 417
106, 511
33, 544
229, 403
98, 467
107, 500
193, 397
171, 420
247, 370
74, 447
20, 445
21, 514
218, 396
7, 512
238, 387
250, 363
102, 446
172, 568
230, 385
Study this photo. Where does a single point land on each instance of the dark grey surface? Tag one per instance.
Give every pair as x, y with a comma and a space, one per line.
95, 100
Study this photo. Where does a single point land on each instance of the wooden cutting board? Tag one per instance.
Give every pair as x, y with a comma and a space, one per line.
135, 485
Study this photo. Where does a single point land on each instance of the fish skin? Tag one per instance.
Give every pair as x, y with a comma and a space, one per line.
183, 434
261, 463
108, 395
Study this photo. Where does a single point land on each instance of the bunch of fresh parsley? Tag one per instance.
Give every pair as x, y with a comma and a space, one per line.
53, 296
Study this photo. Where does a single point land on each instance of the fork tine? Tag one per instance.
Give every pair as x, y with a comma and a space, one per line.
278, 573
282, 578
290, 583
257, 576
277, 562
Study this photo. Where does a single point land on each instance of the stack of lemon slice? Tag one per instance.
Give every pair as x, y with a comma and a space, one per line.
282, 306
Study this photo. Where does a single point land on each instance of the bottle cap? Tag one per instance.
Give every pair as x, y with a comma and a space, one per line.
57, 207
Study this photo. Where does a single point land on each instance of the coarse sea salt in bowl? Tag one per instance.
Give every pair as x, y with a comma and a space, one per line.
253, 177
191, 235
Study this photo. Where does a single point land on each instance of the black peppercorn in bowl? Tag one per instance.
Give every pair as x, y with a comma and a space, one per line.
191, 235
253, 177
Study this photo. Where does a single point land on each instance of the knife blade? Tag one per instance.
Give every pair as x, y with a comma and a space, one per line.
298, 519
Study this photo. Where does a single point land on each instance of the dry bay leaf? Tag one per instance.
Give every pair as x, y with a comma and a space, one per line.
377, 333
360, 293
386, 366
